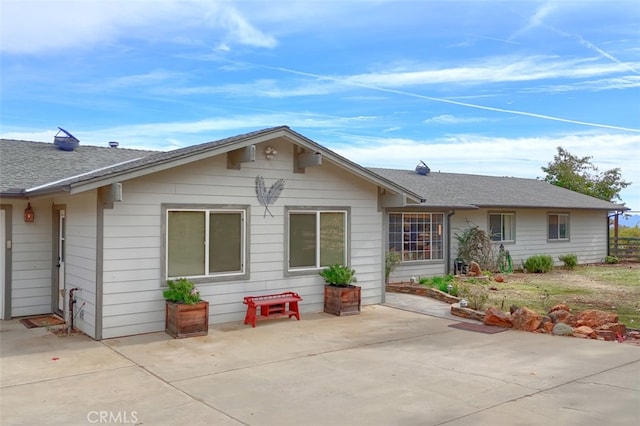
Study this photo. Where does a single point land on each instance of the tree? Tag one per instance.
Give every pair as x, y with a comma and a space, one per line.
580, 175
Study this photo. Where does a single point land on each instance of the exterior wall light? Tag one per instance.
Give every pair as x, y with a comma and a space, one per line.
29, 215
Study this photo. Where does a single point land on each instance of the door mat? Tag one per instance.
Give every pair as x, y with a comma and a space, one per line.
480, 328
42, 321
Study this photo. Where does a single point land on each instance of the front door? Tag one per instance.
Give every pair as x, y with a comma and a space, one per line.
59, 288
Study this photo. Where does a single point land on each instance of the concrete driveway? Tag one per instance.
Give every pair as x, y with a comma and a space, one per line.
387, 366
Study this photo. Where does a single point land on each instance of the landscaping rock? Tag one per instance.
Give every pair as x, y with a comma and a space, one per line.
595, 318
466, 312
559, 315
584, 331
560, 307
547, 325
474, 269
562, 329
499, 278
526, 319
494, 316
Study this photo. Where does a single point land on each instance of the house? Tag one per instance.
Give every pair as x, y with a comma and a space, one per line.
253, 214
525, 216
113, 225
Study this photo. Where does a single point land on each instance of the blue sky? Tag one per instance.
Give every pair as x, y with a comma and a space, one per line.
483, 87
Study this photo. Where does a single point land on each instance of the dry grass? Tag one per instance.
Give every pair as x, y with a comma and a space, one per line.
612, 288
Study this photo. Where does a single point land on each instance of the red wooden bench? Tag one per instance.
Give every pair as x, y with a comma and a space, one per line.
271, 306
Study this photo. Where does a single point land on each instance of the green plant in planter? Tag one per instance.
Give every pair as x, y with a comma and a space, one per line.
182, 290
339, 275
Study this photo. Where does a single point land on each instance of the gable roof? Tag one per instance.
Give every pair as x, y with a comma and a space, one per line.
43, 176
26, 164
464, 191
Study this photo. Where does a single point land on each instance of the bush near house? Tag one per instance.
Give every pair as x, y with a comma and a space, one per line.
570, 260
539, 264
441, 283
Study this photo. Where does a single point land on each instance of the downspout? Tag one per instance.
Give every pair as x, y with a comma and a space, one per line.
72, 302
448, 250
100, 206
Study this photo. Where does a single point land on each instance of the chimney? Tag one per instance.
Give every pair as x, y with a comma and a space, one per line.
113, 144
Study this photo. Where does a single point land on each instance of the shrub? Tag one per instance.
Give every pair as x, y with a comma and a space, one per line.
391, 261
570, 260
611, 260
441, 283
475, 295
474, 244
540, 263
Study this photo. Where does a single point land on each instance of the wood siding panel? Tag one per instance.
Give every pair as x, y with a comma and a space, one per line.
587, 229
31, 259
133, 286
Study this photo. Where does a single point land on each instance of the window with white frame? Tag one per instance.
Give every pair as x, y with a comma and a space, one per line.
317, 238
502, 227
205, 242
558, 226
417, 236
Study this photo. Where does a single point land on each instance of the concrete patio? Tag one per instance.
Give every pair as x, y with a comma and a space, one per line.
386, 366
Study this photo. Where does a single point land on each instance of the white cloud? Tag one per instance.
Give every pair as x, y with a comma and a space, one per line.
47, 26
500, 156
452, 119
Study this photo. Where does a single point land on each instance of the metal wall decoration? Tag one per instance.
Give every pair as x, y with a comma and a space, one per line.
268, 197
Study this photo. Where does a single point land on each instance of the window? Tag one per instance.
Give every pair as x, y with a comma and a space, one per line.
502, 227
317, 238
205, 242
417, 236
558, 228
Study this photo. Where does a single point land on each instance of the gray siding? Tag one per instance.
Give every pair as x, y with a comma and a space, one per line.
31, 260
132, 298
587, 232
80, 259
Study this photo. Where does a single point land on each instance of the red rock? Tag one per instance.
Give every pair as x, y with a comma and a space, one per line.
525, 319
594, 318
584, 331
559, 315
634, 334
548, 326
474, 269
560, 307
494, 316
499, 278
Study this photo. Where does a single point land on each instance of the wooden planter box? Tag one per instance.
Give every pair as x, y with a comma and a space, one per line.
342, 301
182, 320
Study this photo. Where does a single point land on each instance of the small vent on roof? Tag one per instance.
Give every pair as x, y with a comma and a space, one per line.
65, 141
422, 169
113, 144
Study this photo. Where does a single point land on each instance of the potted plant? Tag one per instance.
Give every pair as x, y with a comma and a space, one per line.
341, 297
186, 314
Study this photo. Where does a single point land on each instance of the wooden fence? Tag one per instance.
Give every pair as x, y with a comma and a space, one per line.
625, 248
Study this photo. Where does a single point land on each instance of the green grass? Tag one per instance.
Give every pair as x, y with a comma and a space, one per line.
612, 288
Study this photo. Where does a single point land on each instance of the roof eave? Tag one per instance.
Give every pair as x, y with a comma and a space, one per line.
224, 147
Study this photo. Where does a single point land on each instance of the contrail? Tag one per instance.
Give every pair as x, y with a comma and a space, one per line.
448, 101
